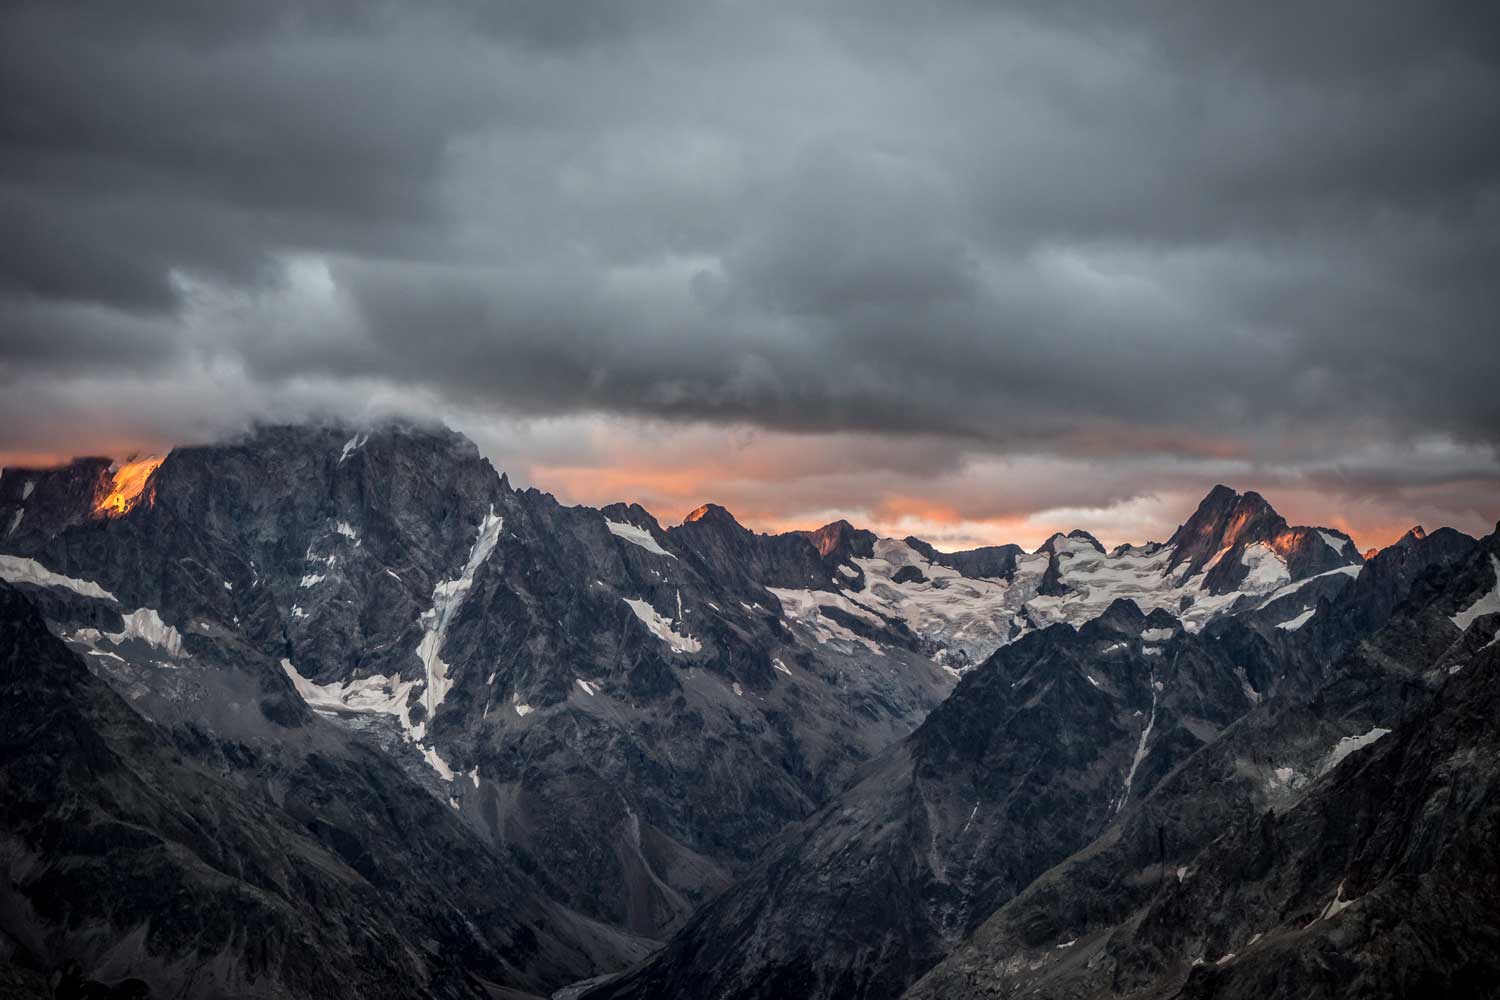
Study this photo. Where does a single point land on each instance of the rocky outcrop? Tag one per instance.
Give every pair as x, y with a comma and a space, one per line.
36, 504
1302, 853
620, 707
1130, 740
1032, 757
697, 730
1226, 524
203, 864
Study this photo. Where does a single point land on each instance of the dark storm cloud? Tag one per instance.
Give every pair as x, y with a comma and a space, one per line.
1266, 233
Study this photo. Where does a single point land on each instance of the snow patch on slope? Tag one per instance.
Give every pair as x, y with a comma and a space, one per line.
801, 606
1292, 588
376, 694
1334, 542
352, 445
1348, 745
1096, 580
447, 597
15, 569
1140, 750
970, 617
1489, 604
146, 625
636, 536
438, 764
1335, 906
1294, 624
661, 627
1066, 545
1268, 570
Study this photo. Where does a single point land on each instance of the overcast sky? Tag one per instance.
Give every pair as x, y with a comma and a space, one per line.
953, 268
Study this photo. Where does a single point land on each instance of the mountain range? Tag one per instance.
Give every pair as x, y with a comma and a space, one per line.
330, 711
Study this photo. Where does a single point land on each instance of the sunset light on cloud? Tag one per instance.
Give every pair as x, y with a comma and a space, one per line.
824, 499
952, 495
787, 281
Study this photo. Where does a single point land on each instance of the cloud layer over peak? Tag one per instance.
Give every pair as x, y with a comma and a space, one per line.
987, 261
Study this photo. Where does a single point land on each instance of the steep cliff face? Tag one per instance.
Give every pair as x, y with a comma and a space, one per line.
1232, 537
36, 504
292, 863
736, 740
624, 708
1323, 846
1031, 758
1128, 744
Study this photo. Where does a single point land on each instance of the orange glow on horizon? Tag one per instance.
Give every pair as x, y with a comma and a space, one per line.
129, 481
774, 486
672, 492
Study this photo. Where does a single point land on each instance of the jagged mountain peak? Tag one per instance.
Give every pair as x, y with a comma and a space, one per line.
386, 577
563, 677
631, 513
347, 852
712, 514
39, 503
1413, 536
839, 540
1058, 541
1084, 536
1231, 535
1223, 517
1124, 617
829, 535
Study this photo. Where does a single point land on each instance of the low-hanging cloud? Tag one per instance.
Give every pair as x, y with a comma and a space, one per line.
1071, 258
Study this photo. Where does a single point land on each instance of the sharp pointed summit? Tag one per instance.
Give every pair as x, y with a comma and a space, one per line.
839, 541
1233, 536
711, 513
378, 604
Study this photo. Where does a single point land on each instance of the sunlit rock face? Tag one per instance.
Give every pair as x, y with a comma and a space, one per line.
626, 708
1069, 820
635, 717
1227, 527
35, 504
1307, 834
128, 487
